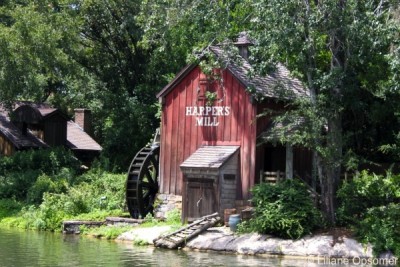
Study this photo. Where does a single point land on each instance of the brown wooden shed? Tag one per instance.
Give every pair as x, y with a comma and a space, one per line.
220, 110
38, 125
47, 124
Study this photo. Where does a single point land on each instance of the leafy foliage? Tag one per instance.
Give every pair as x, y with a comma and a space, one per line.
9, 207
370, 204
19, 173
366, 191
381, 228
92, 193
333, 47
284, 209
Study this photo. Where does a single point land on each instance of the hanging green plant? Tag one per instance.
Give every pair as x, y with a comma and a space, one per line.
211, 97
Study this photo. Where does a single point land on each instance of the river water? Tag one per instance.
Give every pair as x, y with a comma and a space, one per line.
30, 248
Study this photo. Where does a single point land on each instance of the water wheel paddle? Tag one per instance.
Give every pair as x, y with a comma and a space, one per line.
142, 182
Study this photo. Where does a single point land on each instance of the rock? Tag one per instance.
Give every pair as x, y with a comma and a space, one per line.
220, 239
318, 245
351, 248
311, 248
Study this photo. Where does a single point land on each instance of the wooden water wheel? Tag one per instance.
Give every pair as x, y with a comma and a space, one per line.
142, 182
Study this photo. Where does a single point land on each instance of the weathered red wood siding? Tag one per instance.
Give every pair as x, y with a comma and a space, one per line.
180, 137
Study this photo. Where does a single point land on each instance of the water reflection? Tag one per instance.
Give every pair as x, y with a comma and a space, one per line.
29, 248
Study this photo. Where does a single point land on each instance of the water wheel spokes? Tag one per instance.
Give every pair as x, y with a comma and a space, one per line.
142, 182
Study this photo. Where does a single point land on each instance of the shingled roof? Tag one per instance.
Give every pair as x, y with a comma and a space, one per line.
209, 157
15, 136
277, 84
78, 139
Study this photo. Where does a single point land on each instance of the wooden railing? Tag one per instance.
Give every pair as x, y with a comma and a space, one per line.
271, 177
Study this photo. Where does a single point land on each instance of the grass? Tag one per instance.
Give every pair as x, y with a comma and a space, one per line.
112, 232
106, 232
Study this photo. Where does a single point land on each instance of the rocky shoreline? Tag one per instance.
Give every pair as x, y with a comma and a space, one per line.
321, 247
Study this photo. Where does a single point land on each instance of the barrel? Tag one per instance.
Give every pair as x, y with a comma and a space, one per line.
234, 220
227, 213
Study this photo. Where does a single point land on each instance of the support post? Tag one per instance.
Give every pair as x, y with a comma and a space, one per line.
289, 161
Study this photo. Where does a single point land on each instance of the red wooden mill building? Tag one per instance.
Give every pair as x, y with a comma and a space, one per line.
209, 149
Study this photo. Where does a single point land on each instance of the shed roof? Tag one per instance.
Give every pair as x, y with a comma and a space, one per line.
277, 84
78, 139
209, 157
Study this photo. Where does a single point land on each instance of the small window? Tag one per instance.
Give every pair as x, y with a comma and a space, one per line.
229, 177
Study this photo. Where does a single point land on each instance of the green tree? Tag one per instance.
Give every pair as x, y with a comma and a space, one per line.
83, 54
34, 40
123, 101
341, 49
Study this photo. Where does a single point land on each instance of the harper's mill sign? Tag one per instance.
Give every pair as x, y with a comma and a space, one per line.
208, 115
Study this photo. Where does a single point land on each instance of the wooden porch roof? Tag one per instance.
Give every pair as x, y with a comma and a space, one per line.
209, 157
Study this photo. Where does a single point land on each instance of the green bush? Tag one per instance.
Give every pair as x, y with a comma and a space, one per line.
48, 161
284, 209
19, 174
16, 184
103, 190
381, 228
363, 192
9, 207
173, 217
91, 193
58, 183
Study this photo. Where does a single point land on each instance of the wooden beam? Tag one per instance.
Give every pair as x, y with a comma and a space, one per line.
289, 161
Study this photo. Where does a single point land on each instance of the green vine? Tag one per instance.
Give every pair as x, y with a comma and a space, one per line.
211, 97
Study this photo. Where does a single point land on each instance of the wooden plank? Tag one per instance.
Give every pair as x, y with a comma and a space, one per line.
174, 140
166, 139
253, 148
235, 111
228, 102
181, 135
195, 136
189, 120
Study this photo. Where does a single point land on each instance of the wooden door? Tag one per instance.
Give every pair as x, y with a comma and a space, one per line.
201, 199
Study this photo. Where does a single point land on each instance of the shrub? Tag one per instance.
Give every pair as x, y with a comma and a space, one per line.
9, 207
363, 192
63, 196
102, 190
381, 228
48, 161
16, 184
370, 204
284, 209
173, 217
20, 172
50, 184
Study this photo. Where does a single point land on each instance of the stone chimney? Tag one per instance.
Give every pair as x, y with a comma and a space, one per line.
83, 117
242, 43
